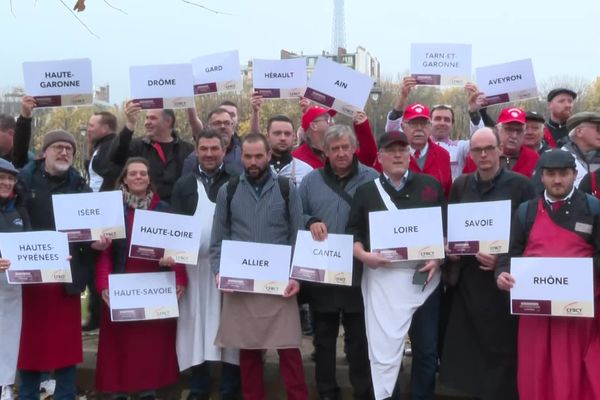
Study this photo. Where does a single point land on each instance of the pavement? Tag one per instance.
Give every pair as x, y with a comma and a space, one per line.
273, 380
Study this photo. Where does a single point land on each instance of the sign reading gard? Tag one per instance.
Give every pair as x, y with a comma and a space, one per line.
254, 267
216, 73
162, 86
336, 86
59, 83
412, 234
552, 286
142, 296
36, 257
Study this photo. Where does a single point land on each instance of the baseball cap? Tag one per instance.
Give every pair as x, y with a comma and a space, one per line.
392, 137
416, 110
312, 113
513, 114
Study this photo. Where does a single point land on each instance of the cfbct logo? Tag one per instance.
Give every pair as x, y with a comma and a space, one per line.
271, 287
426, 252
340, 277
59, 276
573, 308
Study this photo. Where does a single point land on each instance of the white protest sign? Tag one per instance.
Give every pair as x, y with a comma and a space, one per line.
142, 296
440, 63
87, 216
336, 86
158, 234
279, 78
254, 267
327, 261
507, 82
59, 83
475, 227
36, 257
162, 86
217, 73
412, 234
552, 286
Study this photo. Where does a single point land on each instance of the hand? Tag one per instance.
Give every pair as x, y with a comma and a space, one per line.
102, 244
4, 264
476, 99
408, 83
373, 260
222, 290
132, 110
318, 230
180, 290
505, 281
166, 261
106, 297
304, 104
28, 103
292, 288
488, 261
256, 100
431, 266
359, 117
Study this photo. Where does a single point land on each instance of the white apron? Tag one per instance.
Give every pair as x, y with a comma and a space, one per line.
10, 329
390, 301
200, 305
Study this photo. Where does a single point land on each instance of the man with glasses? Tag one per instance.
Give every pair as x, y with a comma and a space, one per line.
584, 132
316, 120
515, 156
160, 145
51, 328
479, 356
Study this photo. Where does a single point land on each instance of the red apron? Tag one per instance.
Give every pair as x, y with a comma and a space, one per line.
559, 357
51, 330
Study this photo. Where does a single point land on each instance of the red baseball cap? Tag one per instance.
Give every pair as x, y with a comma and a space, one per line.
312, 113
416, 110
513, 114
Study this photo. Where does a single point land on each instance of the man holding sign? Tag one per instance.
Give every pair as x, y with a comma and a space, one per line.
257, 207
480, 341
558, 357
393, 293
326, 198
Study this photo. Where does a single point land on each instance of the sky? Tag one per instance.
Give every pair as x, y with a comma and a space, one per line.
561, 37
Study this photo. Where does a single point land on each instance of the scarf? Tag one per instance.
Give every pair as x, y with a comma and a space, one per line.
135, 202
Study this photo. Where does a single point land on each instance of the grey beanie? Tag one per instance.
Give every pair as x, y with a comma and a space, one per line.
59, 135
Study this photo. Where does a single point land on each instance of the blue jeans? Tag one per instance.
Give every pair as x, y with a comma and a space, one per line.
200, 379
424, 342
29, 387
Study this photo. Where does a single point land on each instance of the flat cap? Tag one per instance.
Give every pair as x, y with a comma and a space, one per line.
556, 159
534, 116
555, 92
585, 116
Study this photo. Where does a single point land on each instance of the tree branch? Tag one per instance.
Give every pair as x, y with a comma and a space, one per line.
204, 7
116, 8
79, 19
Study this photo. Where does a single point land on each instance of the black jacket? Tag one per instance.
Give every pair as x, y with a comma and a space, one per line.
38, 187
163, 175
102, 163
185, 192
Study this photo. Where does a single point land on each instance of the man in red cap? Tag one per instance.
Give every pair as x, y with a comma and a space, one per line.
427, 157
515, 156
560, 106
315, 122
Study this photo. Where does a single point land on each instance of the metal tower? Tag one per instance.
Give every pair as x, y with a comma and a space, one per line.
339, 27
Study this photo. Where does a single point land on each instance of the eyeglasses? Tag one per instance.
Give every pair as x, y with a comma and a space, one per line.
221, 123
481, 150
59, 148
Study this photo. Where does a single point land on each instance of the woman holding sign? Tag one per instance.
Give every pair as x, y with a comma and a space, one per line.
137, 356
13, 218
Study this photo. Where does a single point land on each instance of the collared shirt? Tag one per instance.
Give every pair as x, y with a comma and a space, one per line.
423, 150
402, 181
278, 162
258, 184
207, 177
564, 199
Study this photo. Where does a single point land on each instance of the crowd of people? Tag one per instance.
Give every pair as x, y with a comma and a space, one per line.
265, 185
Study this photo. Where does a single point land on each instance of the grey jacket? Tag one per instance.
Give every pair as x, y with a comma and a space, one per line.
261, 219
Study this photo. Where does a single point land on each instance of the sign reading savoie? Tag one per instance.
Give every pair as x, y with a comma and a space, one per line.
254, 267
157, 234
412, 234
142, 296
36, 257
479, 227
327, 261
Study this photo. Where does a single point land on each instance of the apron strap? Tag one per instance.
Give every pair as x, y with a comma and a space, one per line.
387, 199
